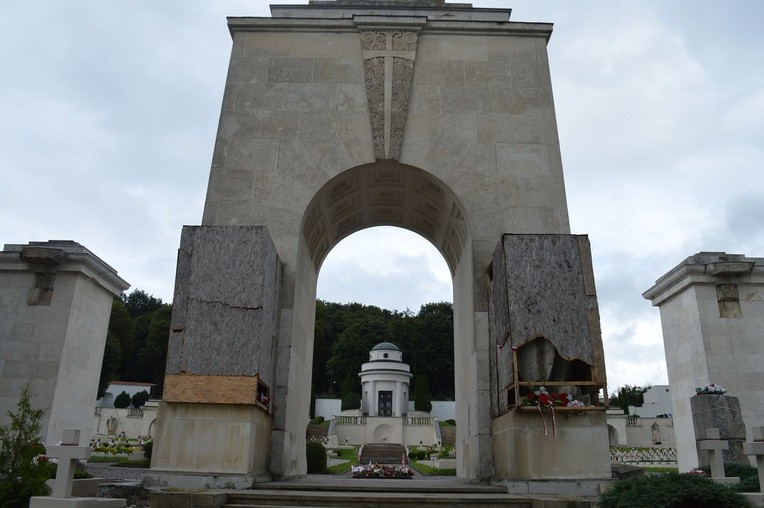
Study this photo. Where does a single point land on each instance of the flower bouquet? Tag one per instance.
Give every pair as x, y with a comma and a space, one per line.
541, 398
710, 389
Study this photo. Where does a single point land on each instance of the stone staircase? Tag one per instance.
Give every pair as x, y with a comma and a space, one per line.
448, 435
382, 453
316, 431
375, 493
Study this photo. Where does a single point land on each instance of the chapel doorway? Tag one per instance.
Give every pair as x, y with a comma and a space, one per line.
385, 404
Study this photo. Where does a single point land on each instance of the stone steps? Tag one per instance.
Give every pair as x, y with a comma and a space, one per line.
385, 494
382, 453
448, 435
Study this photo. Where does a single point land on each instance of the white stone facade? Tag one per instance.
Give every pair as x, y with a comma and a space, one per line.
712, 315
657, 402
55, 303
436, 118
385, 382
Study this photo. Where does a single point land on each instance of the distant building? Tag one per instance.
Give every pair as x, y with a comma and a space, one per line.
117, 387
657, 403
385, 382
385, 416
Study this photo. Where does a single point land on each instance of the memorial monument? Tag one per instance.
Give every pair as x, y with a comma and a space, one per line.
712, 317
339, 116
55, 303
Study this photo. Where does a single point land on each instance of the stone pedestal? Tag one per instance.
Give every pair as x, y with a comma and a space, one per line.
214, 422
55, 302
579, 451
720, 412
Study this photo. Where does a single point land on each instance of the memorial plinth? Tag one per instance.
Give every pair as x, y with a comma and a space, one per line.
720, 412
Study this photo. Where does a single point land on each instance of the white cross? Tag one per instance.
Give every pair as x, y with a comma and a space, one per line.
713, 444
756, 448
66, 453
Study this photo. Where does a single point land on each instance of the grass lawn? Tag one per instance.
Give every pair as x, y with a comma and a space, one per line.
350, 454
431, 471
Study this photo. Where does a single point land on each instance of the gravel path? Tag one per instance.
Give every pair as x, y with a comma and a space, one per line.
115, 473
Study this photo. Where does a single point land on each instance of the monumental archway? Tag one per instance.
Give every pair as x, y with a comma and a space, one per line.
341, 116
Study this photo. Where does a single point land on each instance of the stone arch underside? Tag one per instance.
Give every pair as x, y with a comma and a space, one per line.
385, 193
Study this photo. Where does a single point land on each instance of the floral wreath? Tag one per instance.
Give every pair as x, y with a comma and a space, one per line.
541, 398
711, 388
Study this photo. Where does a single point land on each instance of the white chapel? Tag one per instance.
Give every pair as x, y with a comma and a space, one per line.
385, 382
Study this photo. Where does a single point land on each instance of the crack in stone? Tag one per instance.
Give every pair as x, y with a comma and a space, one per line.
238, 307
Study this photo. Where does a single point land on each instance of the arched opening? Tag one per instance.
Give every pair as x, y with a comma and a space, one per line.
387, 193
382, 286
612, 435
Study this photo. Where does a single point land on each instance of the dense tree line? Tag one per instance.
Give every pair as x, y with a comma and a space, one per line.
136, 343
345, 333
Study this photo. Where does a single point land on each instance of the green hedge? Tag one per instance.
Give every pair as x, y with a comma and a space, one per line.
671, 490
316, 455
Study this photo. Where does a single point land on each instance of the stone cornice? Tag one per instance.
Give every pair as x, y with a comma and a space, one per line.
250, 24
706, 268
60, 257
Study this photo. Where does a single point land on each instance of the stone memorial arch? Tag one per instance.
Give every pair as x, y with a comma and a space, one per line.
339, 116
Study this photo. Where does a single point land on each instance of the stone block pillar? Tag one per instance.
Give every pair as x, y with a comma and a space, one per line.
712, 318
55, 303
214, 422
545, 330
721, 412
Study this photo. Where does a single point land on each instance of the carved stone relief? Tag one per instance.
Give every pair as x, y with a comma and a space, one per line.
388, 71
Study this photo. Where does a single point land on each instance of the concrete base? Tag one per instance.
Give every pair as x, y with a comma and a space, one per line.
726, 480
755, 499
566, 488
210, 445
83, 487
75, 502
201, 480
578, 452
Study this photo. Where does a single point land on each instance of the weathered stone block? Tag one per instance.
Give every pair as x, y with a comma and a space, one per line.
722, 412
225, 313
542, 287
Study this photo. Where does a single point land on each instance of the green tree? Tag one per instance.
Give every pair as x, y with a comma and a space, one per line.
628, 395
110, 364
422, 397
321, 350
139, 399
350, 400
23, 470
139, 303
153, 356
122, 400
433, 352
352, 347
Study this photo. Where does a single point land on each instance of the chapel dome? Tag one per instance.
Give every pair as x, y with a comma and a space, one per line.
385, 346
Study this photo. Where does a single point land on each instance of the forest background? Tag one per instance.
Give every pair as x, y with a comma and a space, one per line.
136, 346
136, 343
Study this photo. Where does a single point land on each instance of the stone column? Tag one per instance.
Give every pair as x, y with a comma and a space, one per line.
712, 318
55, 303
398, 404
373, 401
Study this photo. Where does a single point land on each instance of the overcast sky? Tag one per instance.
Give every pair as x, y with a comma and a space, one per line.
108, 113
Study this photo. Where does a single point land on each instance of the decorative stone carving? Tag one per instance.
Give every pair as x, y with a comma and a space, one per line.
388, 71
